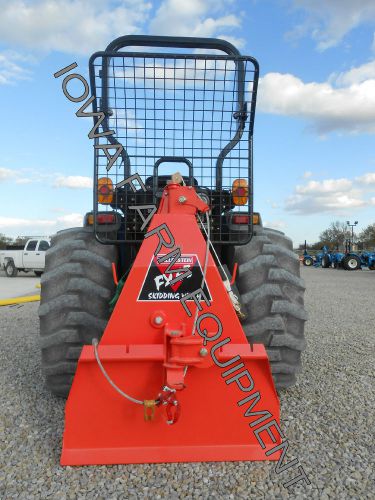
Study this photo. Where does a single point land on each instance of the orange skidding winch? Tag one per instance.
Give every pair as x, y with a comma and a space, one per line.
215, 392
172, 316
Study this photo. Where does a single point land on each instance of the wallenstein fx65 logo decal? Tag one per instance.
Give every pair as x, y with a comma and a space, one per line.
157, 285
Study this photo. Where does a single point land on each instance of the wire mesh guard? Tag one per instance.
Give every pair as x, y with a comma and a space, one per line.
196, 110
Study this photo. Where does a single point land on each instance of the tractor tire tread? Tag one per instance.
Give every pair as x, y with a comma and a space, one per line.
75, 291
273, 293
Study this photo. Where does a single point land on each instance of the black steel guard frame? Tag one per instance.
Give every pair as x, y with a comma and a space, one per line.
195, 109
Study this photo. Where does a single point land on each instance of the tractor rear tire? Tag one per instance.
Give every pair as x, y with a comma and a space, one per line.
325, 262
273, 293
351, 263
76, 287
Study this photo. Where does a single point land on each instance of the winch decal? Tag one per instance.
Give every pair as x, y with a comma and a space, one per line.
157, 284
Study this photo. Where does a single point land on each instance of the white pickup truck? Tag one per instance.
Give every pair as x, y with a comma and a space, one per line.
31, 258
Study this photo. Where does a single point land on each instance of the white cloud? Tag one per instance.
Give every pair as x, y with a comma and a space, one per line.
14, 222
307, 174
10, 70
28, 176
74, 182
355, 75
239, 43
73, 26
70, 220
14, 226
325, 186
339, 203
338, 196
272, 204
6, 174
24, 180
84, 26
325, 107
275, 224
125, 118
19, 176
189, 18
368, 178
58, 210
328, 21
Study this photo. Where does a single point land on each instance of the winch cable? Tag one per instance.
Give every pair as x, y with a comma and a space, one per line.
95, 341
108, 378
233, 297
204, 272
205, 265
213, 249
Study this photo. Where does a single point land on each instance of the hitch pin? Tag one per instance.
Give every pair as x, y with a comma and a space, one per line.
149, 409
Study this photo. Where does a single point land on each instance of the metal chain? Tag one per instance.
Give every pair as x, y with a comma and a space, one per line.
213, 249
233, 297
204, 266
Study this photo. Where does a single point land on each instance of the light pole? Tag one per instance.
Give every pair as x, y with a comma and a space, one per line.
352, 226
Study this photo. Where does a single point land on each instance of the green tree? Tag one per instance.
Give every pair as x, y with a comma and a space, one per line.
21, 240
4, 241
317, 245
367, 236
336, 234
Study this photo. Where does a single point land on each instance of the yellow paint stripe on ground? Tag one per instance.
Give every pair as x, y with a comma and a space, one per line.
19, 300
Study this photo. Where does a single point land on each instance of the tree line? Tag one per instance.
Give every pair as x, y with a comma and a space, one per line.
6, 241
338, 233
334, 236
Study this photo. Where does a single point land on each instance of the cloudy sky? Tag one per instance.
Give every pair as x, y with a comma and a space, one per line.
314, 136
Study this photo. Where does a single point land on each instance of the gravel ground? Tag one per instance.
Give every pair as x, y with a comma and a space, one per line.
328, 417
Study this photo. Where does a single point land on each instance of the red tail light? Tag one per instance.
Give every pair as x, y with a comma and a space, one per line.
240, 219
105, 218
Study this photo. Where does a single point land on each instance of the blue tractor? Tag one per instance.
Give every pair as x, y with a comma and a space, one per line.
322, 258
332, 259
352, 261
364, 259
368, 260
307, 260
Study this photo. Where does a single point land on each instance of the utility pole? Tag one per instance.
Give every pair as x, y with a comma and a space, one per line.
352, 226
